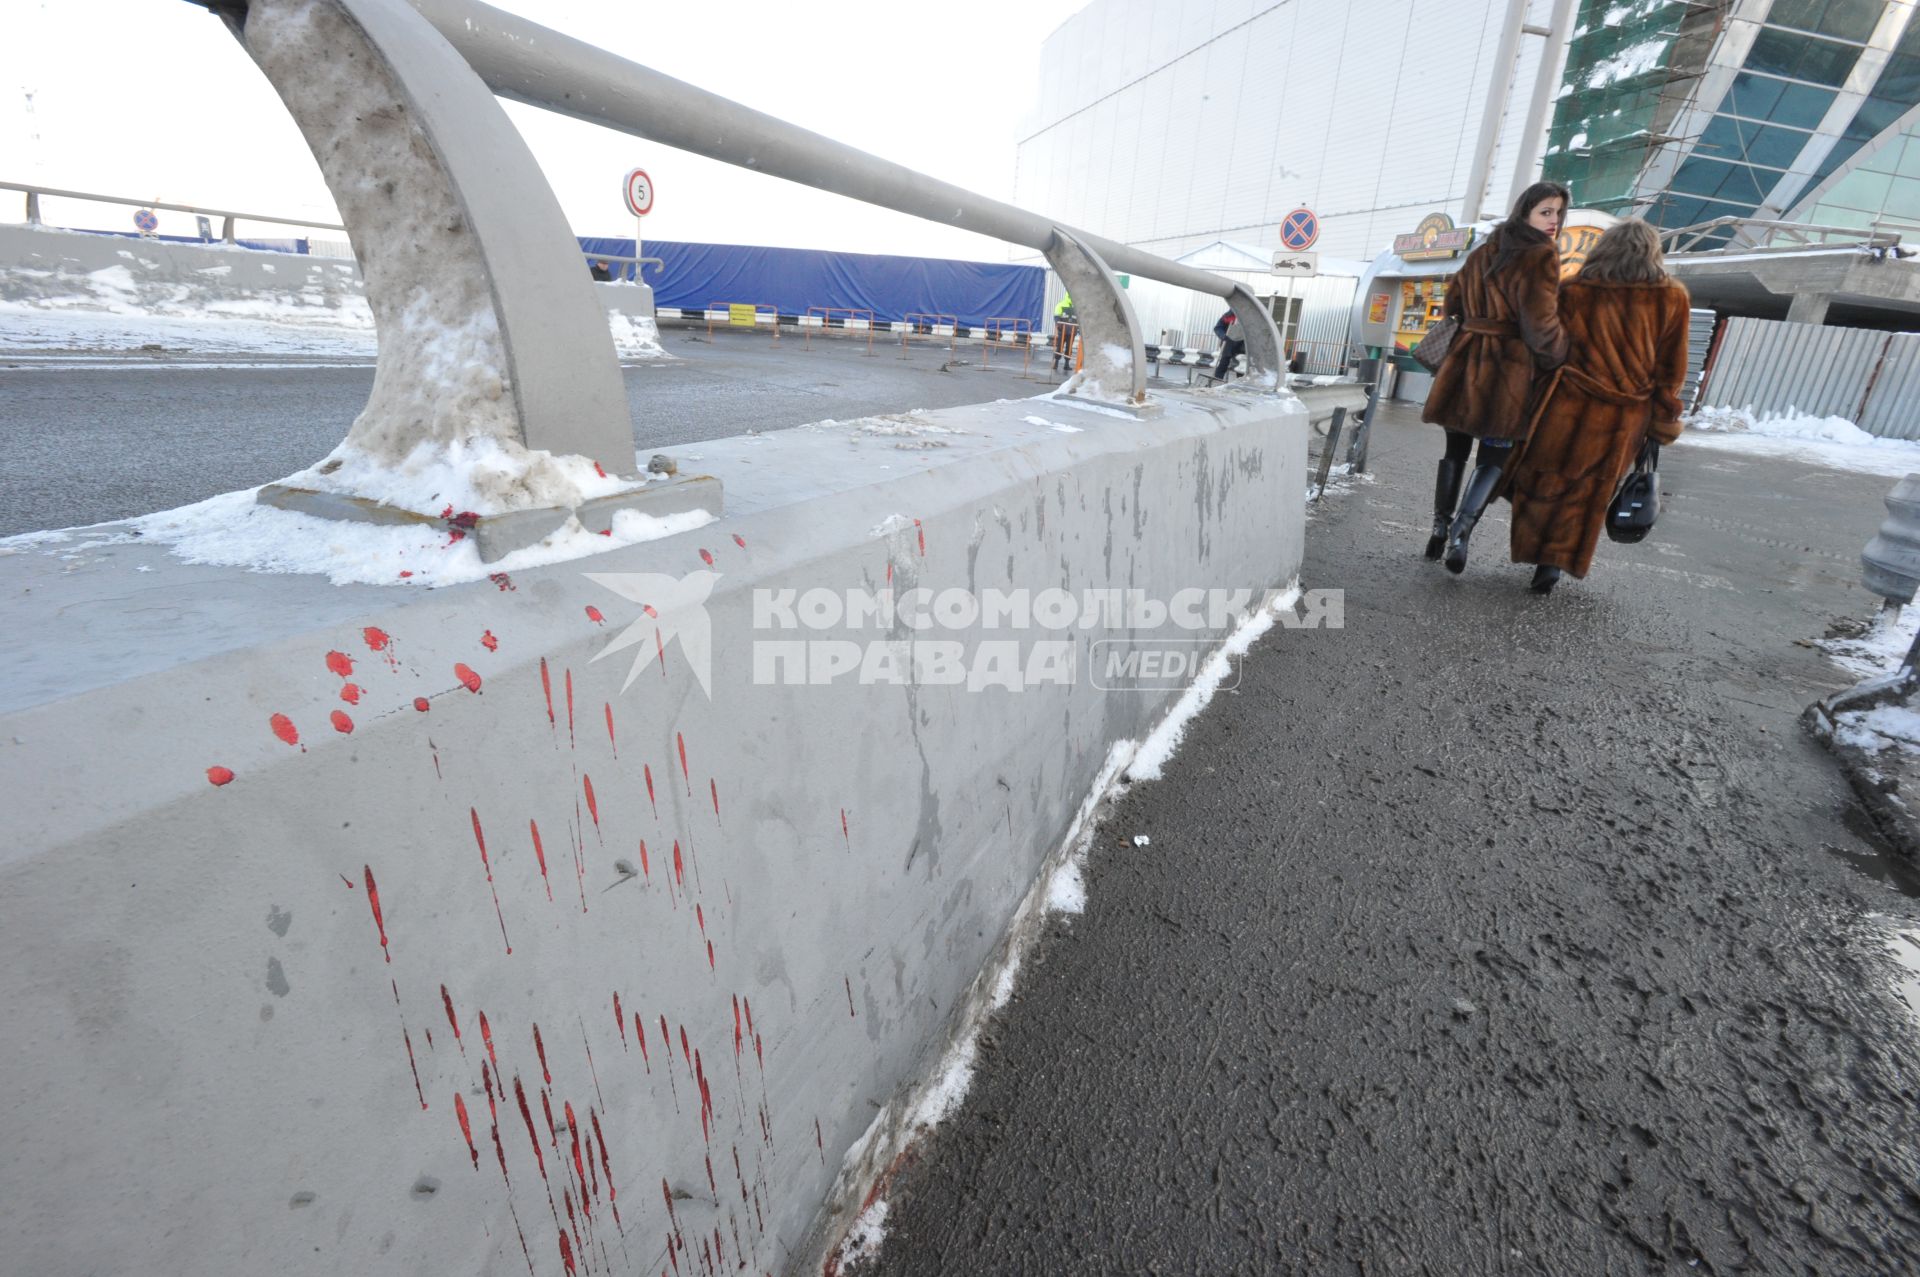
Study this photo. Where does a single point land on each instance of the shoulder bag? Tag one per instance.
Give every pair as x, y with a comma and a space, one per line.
1431, 350
1636, 505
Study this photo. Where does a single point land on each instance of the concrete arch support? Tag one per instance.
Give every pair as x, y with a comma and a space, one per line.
1264, 363
489, 328
1116, 353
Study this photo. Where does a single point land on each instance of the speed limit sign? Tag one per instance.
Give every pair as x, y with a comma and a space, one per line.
639, 193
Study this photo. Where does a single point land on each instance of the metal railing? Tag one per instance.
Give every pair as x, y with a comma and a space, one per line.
1753, 234
228, 216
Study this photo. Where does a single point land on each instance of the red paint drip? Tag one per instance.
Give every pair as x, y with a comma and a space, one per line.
647, 771
681, 741
645, 870
422, 704
922, 534
739, 540
481, 838
283, 728
706, 557
608, 705
546, 1106
593, 614
710, 965
217, 776
502, 581
350, 693
686, 1051
411, 1065
660, 649
579, 1166
486, 1035
749, 1006
819, 1142
446, 1000
540, 854
593, 807
714, 789
541, 1047
377, 639
569, 709
700, 915
340, 663
468, 679
845, 836
373, 899
341, 723
597, 470
348, 881
613, 1194
640, 1036
566, 1251
679, 869
736, 1025
526, 1114
460, 1111
889, 572
546, 685
850, 1011
486, 1089
488, 641
620, 1019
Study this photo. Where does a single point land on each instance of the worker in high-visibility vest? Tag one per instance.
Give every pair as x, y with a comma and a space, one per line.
1065, 328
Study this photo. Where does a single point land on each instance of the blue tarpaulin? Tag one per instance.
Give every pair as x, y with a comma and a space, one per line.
792, 279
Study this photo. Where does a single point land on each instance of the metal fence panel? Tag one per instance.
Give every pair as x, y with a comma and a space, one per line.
1893, 403
1770, 366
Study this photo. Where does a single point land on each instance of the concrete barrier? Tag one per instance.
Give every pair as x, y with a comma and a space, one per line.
342, 929
60, 269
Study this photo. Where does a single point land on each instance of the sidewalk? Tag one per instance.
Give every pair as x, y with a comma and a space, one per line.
1490, 934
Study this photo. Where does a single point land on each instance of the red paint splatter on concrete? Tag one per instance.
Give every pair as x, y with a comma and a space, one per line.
486, 1035
844, 835
889, 572
850, 1010
736, 1026
647, 771
466, 1129
579, 1164
486, 1089
546, 1106
540, 854
679, 867
700, 916
429, 1039
566, 1251
283, 728
481, 839
593, 614
706, 556
378, 640
348, 881
405, 575
686, 777
541, 1048
217, 776
749, 1006
620, 1019
341, 723
922, 534
408, 1039
710, 965
488, 641
597, 470
739, 540
546, 685
819, 1142
502, 581
446, 1000
593, 806
373, 899
422, 704
645, 870
526, 1114
640, 1036
613, 1194
608, 705
350, 693
714, 789
569, 682
340, 663
468, 679
686, 1051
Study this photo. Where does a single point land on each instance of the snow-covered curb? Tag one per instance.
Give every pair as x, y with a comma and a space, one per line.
1059, 888
1827, 441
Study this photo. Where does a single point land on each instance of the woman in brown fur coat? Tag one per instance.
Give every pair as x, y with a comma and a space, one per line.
1505, 299
1626, 323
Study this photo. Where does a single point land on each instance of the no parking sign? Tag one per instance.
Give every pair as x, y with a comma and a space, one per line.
145, 219
1300, 230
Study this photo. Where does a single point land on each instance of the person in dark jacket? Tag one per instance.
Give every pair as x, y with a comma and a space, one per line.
1505, 297
1233, 343
1626, 325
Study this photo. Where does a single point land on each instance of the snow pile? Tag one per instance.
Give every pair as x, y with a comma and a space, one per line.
1878, 648
635, 336
1830, 441
233, 530
478, 475
1890, 726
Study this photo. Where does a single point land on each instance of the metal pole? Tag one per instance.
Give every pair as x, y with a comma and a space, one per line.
529, 63
639, 225
1502, 72
1544, 85
1326, 451
33, 208
1362, 436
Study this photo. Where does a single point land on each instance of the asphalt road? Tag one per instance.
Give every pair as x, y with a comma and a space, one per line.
82, 443
1488, 934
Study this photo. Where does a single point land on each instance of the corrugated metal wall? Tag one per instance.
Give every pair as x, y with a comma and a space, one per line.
1893, 404
1772, 366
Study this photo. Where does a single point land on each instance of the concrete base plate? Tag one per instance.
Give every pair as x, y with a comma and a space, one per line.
498, 535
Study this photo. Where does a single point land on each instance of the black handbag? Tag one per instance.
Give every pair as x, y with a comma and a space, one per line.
1431, 350
1636, 505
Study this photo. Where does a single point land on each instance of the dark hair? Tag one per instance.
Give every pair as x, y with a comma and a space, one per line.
1629, 253
1536, 195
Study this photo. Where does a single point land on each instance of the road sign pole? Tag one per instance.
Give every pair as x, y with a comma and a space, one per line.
639, 229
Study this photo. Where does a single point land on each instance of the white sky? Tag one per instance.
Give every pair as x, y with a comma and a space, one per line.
154, 100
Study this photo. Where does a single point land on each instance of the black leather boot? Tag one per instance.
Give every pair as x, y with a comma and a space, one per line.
1446, 492
1479, 491
1544, 579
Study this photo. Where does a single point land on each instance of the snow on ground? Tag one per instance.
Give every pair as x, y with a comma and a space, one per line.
1877, 648
1833, 442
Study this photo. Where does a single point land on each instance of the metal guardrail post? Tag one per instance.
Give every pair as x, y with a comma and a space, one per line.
1890, 567
226, 230
1105, 314
1327, 450
33, 208
1363, 434
461, 240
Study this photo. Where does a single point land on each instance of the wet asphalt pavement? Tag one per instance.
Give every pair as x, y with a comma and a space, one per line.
1489, 934
82, 443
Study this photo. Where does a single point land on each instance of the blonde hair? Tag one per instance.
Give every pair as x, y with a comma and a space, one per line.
1629, 253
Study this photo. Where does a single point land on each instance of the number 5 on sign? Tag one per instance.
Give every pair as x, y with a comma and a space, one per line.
639, 193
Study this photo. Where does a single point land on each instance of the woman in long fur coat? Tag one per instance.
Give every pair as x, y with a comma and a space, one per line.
1626, 324
1504, 298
